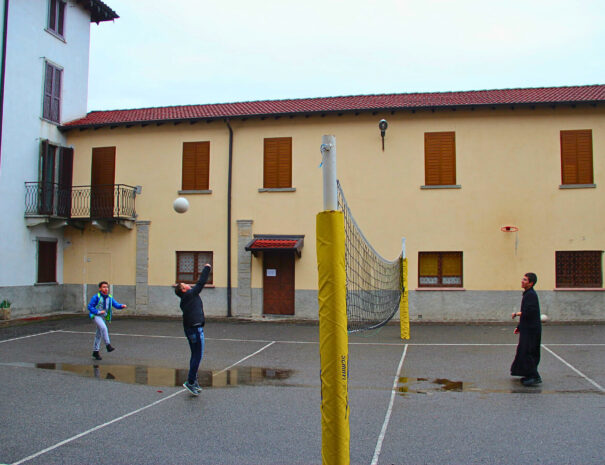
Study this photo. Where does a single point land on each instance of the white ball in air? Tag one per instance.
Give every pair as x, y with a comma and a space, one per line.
181, 205
544, 317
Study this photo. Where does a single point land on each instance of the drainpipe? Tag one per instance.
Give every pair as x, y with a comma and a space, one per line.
4, 40
229, 179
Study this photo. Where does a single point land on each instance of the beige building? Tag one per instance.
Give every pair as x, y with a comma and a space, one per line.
484, 186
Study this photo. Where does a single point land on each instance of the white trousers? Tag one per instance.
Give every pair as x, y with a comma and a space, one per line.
102, 332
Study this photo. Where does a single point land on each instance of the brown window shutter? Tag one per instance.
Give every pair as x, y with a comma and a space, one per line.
48, 91
584, 151
55, 106
277, 163
576, 157
196, 166
285, 162
439, 158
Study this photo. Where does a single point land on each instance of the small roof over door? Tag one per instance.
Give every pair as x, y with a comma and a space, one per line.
274, 242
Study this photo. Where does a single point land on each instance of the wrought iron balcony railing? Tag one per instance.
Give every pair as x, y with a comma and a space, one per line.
112, 201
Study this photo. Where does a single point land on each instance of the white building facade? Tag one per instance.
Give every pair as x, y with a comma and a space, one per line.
45, 50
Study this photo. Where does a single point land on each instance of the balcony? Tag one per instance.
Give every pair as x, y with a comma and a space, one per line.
59, 206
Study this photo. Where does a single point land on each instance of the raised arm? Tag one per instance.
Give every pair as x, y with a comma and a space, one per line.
202, 281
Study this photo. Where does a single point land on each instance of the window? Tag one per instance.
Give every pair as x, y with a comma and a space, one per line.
196, 166
277, 163
576, 157
440, 269
47, 261
52, 93
579, 268
189, 266
439, 158
56, 16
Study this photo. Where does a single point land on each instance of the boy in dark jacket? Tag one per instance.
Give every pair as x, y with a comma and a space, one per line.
193, 324
529, 329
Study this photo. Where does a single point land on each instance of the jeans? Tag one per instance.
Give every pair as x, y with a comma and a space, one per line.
195, 337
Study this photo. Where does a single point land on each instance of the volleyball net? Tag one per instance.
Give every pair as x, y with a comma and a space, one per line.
374, 285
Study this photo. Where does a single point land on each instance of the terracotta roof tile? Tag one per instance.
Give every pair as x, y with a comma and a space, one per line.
361, 103
272, 244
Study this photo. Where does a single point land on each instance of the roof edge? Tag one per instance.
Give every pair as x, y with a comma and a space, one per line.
246, 110
99, 11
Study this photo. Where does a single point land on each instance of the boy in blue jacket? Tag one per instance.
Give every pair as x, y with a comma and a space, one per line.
99, 309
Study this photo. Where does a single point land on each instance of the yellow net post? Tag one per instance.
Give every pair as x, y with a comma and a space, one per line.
333, 335
333, 338
404, 308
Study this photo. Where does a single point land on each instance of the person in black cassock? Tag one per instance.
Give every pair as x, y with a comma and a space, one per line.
530, 334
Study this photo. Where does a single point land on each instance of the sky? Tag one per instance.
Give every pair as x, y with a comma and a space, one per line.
187, 52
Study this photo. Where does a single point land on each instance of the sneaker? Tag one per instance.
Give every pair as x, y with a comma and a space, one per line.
109, 348
197, 387
191, 388
96, 355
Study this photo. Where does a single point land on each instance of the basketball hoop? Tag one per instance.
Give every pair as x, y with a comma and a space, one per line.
509, 229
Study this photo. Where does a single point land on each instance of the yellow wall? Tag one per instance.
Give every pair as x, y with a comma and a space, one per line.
508, 167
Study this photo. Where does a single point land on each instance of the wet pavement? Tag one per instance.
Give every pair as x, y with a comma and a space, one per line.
452, 401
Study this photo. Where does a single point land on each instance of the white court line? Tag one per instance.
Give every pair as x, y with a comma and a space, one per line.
243, 359
84, 433
264, 341
389, 410
31, 335
594, 383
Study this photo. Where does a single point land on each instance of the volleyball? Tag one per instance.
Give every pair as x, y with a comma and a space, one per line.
181, 205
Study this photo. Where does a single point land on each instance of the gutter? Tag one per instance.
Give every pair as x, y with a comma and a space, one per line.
4, 40
229, 184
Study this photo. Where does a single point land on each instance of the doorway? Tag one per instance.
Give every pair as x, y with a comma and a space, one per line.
278, 283
102, 181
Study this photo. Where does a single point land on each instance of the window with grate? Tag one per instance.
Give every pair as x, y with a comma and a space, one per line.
440, 158
51, 108
439, 269
576, 157
189, 266
196, 166
579, 268
277, 163
47, 261
56, 16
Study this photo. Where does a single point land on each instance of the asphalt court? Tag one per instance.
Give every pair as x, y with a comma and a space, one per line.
442, 397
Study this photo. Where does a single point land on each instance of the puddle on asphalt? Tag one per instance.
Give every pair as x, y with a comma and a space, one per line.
168, 377
426, 386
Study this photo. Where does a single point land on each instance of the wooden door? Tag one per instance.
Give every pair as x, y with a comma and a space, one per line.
278, 283
102, 182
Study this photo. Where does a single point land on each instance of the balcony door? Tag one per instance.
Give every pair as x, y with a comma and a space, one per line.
102, 182
66, 164
56, 169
